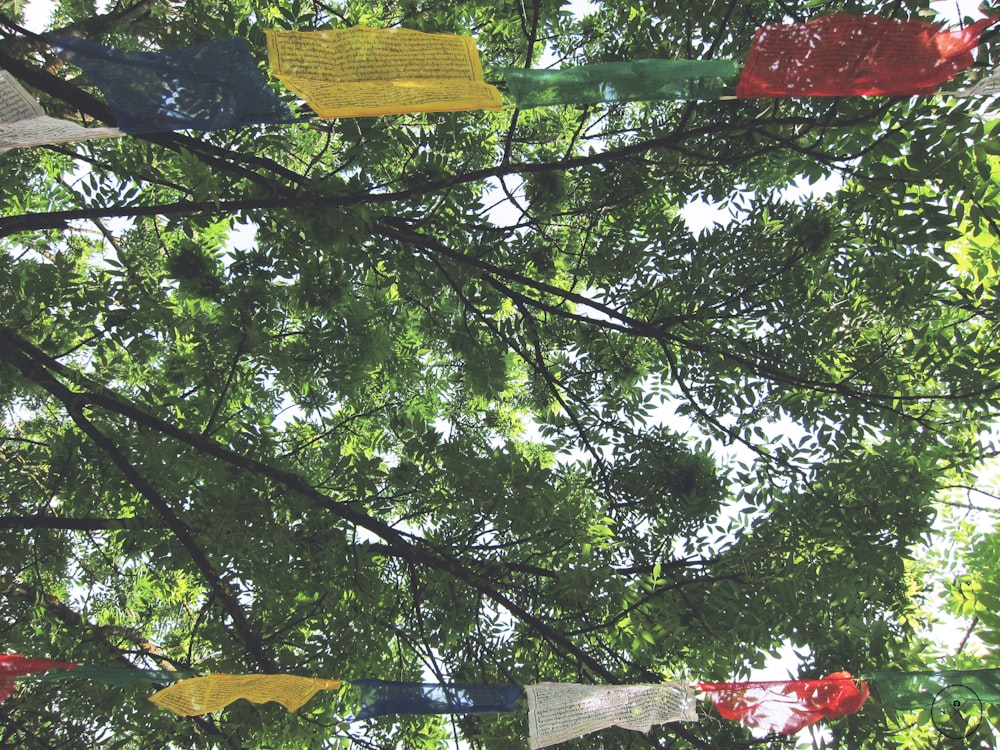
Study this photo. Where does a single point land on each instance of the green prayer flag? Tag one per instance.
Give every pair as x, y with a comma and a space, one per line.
916, 690
621, 82
116, 675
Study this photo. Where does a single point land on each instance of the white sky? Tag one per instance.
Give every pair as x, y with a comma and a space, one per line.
37, 14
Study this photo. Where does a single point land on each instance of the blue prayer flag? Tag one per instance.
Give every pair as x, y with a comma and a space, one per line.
211, 86
379, 697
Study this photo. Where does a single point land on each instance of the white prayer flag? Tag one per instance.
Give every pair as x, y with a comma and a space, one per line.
558, 712
988, 85
23, 123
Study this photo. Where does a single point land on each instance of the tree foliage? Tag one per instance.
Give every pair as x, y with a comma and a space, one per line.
464, 397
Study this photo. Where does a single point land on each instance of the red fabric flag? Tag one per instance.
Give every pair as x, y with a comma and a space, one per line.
13, 666
844, 55
787, 706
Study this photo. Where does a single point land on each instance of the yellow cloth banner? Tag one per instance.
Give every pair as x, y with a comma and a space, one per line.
200, 695
363, 72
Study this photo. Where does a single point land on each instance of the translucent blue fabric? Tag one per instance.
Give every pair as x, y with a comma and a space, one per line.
379, 698
211, 86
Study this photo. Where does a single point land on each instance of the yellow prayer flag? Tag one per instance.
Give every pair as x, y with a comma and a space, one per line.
363, 72
200, 695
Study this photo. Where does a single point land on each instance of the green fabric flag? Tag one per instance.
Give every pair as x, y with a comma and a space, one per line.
916, 690
621, 82
118, 676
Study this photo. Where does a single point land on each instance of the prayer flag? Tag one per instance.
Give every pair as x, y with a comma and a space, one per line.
558, 712
787, 706
200, 695
210, 86
363, 72
987, 85
13, 666
845, 55
620, 82
23, 123
118, 675
916, 690
379, 697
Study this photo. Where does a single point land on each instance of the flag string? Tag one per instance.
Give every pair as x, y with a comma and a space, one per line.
364, 72
557, 711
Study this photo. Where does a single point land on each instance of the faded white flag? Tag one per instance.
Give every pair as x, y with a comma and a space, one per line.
558, 712
987, 85
23, 123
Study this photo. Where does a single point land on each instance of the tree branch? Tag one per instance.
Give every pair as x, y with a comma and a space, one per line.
96, 25
75, 403
27, 523
309, 201
73, 619
33, 364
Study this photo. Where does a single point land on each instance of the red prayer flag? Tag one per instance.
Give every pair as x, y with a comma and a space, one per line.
789, 705
845, 55
13, 666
